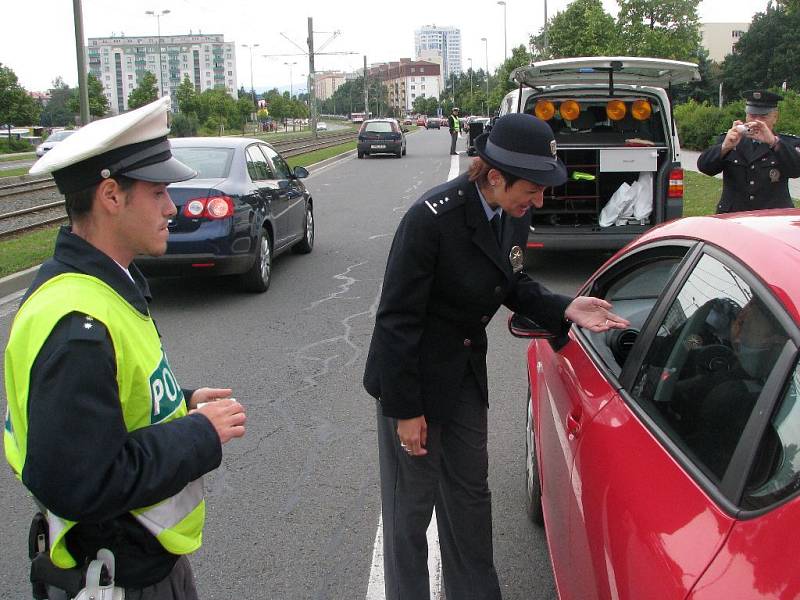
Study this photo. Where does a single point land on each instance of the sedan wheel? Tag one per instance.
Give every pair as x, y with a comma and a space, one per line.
259, 276
532, 485
306, 245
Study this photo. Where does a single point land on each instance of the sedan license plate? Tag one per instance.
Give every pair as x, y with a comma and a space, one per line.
378, 146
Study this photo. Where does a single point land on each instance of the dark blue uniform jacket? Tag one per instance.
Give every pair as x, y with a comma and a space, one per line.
445, 278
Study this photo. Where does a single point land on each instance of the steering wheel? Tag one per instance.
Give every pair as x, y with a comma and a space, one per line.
714, 358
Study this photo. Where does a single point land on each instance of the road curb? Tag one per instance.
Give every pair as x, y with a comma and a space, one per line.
328, 161
16, 282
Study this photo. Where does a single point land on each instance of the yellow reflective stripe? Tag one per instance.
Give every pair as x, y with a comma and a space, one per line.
172, 511
183, 538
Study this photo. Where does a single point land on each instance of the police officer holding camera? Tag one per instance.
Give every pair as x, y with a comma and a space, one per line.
756, 163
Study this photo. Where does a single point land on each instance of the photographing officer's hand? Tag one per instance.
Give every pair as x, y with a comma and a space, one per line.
413, 434
227, 416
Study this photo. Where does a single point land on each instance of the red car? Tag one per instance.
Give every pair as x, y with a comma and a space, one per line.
664, 459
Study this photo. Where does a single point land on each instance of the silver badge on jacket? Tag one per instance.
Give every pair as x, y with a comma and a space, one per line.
774, 175
516, 259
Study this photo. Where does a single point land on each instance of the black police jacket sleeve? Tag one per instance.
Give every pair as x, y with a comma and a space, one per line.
81, 462
400, 321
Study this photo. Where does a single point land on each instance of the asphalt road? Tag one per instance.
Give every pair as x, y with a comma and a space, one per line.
294, 508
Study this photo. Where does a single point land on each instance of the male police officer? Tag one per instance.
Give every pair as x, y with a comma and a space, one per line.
97, 428
756, 163
454, 125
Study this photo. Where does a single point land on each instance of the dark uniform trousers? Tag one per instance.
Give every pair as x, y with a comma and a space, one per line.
453, 477
178, 585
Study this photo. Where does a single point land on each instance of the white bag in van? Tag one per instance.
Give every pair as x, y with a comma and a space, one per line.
618, 206
643, 205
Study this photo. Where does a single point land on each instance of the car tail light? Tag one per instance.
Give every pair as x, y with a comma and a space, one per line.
675, 184
615, 109
545, 110
641, 110
213, 207
569, 110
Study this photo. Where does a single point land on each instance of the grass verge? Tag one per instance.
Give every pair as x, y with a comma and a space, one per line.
14, 172
25, 156
26, 250
319, 155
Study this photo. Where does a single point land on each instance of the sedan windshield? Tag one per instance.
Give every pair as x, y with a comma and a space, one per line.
210, 163
60, 136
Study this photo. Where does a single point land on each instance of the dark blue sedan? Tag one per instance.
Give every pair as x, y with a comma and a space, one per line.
243, 209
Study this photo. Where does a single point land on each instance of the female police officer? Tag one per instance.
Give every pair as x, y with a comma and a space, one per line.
456, 257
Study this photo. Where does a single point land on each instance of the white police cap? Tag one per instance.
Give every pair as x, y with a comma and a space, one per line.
133, 144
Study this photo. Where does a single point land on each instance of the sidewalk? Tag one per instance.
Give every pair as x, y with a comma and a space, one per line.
689, 161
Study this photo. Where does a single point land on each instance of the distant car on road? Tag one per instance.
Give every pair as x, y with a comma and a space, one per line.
433, 123
243, 209
381, 136
53, 140
420, 121
663, 458
322, 126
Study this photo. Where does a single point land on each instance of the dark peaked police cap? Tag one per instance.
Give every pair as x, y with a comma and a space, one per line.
522, 145
133, 144
760, 102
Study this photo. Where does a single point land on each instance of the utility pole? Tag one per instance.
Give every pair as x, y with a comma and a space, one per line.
366, 90
83, 84
311, 91
545, 31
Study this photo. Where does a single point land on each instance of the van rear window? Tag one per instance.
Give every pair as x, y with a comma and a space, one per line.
594, 127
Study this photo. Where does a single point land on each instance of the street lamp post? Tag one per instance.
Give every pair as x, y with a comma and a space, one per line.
486, 51
291, 85
252, 87
505, 22
158, 14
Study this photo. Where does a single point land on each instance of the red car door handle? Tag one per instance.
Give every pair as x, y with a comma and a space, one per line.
573, 425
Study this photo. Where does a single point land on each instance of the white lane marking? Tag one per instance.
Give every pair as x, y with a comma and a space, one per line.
375, 588
453, 167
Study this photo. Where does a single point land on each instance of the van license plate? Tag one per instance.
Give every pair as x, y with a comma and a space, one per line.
379, 146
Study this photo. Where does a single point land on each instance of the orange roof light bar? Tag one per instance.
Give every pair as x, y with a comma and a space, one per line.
544, 110
569, 110
615, 109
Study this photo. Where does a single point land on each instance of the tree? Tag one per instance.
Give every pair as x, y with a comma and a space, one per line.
98, 102
16, 105
187, 97
218, 108
57, 113
766, 55
659, 28
503, 84
145, 93
583, 29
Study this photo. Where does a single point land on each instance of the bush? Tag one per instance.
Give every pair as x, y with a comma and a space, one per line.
699, 124
185, 125
16, 145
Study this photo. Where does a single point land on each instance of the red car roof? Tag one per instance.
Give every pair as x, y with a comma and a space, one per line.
767, 241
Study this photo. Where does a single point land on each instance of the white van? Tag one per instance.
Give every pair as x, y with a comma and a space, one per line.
613, 125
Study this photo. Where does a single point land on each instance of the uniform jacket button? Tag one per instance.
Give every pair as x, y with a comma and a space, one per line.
467, 343
498, 290
485, 319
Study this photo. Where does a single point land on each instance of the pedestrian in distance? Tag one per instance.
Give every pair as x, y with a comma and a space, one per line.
755, 162
454, 125
455, 258
97, 428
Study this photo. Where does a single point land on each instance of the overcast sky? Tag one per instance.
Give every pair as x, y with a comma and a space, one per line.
38, 40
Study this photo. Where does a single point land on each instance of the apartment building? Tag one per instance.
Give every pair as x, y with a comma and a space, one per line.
120, 62
442, 41
326, 83
406, 80
720, 38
